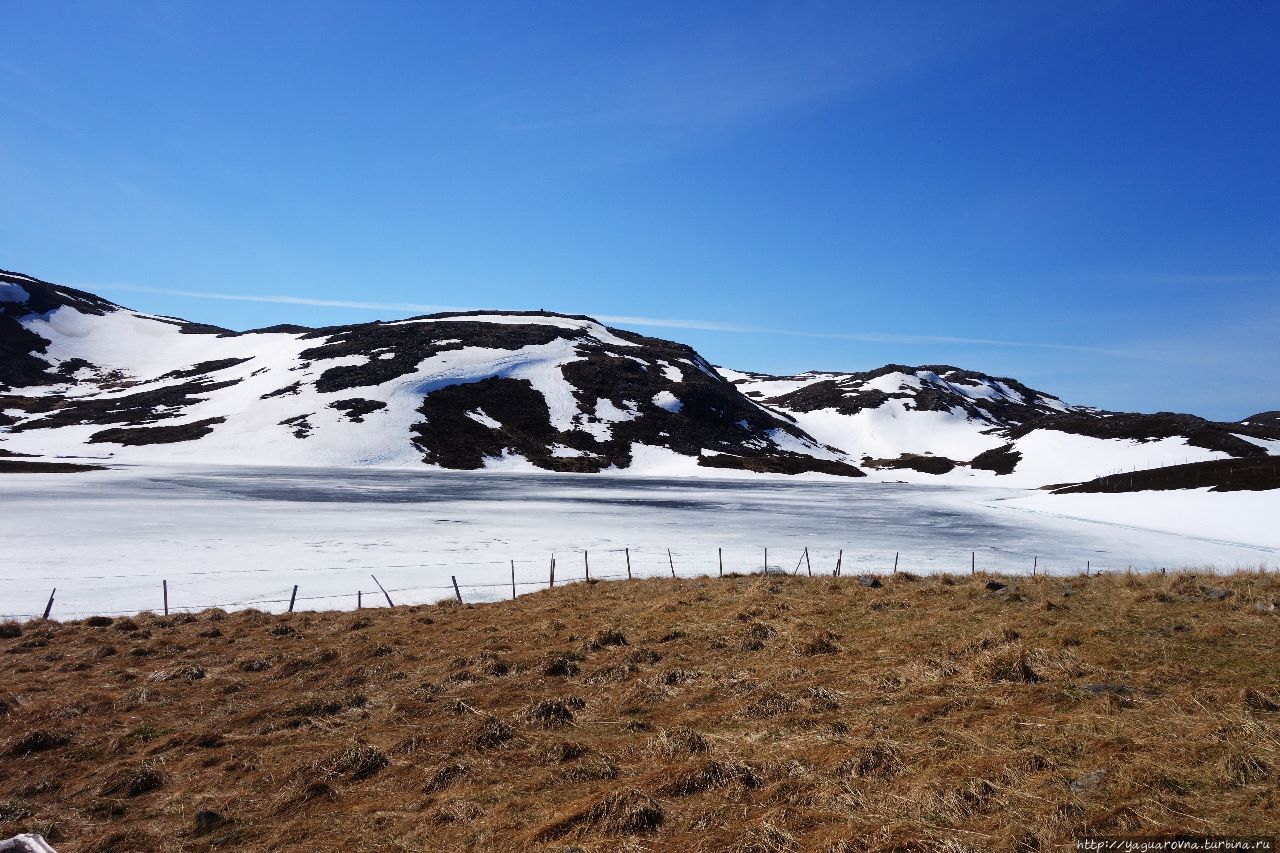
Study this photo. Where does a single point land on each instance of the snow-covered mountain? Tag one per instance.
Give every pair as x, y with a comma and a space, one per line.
952, 424
83, 377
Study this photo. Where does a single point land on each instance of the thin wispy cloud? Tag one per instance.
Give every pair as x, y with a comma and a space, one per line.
282, 299
707, 78
620, 320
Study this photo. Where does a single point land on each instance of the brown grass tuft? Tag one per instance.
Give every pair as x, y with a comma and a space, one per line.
606, 638
444, 777
680, 741
553, 713
627, 812
134, 782
822, 643
766, 838
1257, 700
355, 763
37, 740
708, 775
769, 703
1010, 665
182, 672
488, 733
876, 759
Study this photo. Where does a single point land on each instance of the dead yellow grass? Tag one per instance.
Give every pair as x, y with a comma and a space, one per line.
740, 714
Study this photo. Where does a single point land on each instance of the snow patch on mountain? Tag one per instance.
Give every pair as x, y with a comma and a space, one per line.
667, 400
13, 292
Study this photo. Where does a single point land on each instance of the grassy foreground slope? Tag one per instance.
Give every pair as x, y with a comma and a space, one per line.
740, 714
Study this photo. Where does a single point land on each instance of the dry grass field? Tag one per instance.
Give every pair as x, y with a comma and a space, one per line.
738, 714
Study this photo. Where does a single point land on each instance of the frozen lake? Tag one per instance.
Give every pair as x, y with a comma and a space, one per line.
236, 537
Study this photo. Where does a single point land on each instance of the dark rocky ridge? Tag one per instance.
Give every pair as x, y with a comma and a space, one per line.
845, 394
1197, 431
1220, 475
156, 435
1263, 419
20, 348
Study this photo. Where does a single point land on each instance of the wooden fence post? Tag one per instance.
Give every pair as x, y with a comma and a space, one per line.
293, 596
165, 586
1087, 566
456, 591
671, 563
48, 607
720, 557
766, 561
390, 603
628, 550
895, 562
807, 565
839, 560
513, 580
359, 599
586, 566
973, 563
1035, 564
551, 582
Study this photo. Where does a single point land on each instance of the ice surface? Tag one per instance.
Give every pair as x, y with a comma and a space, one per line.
242, 536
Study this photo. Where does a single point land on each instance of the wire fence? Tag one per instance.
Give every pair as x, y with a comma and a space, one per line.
480, 581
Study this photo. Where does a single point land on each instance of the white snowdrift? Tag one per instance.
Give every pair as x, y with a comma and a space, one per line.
1211, 516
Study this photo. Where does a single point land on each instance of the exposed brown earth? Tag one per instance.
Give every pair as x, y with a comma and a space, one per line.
740, 714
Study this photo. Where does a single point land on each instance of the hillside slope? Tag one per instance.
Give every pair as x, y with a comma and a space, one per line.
738, 714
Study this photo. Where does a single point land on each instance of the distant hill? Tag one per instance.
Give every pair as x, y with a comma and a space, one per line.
947, 422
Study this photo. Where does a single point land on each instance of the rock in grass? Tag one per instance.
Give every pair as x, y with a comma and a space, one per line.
869, 581
1087, 782
207, 821
27, 842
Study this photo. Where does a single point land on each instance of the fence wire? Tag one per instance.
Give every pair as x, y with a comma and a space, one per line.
507, 578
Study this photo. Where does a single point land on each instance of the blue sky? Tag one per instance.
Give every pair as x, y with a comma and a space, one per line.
1085, 196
